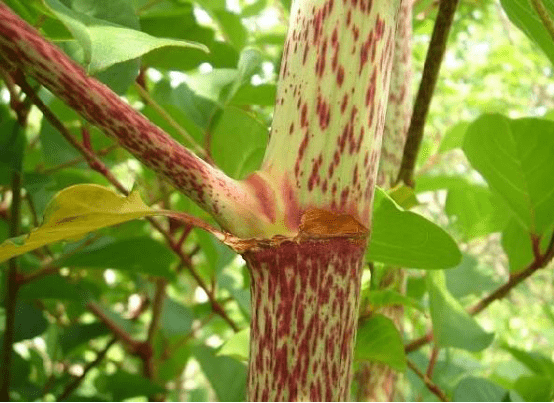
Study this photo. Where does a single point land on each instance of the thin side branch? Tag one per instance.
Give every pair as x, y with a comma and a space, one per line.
77, 381
12, 284
540, 261
544, 15
430, 385
433, 61
117, 331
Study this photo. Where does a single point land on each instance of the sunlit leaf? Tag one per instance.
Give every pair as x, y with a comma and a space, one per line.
237, 346
106, 44
76, 211
515, 157
406, 239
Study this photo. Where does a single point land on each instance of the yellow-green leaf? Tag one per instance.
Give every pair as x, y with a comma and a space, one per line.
76, 211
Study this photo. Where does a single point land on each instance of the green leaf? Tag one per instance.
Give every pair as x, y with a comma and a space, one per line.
515, 157
29, 322
378, 340
472, 389
52, 287
140, 255
124, 385
452, 325
454, 137
535, 388
238, 142
536, 362
76, 211
381, 298
79, 333
404, 196
172, 366
105, 43
217, 255
12, 145
249, 94
516, 242
468, 278
237, 346
226, 375
232, 27
406, 239
476, 211
521, 13
176, 318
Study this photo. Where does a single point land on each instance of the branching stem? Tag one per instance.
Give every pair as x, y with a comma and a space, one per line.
430, 385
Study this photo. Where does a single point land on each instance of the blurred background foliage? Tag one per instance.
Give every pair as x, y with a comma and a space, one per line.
121, 316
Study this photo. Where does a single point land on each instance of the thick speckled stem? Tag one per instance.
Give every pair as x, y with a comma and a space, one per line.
376, 381
305, 299
232, 203
323, 154
330, 110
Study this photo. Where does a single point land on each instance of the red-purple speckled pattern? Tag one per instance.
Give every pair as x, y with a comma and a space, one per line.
304, 318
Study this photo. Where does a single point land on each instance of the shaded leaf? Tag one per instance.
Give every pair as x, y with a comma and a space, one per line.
176, 318
29, 322
468, 278
379, 340
452, 325
472, 389
53, 287
535, 388
140, 255
124, 385
238, 142
476, 211
80, 333
380, 298
226, 375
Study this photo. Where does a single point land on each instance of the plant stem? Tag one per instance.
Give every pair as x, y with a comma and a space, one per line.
430, 385
544, 15
431, 68
10, 301
540, 261
117, 331
77, 381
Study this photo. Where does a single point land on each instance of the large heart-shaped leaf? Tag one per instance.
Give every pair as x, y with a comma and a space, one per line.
515, 157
